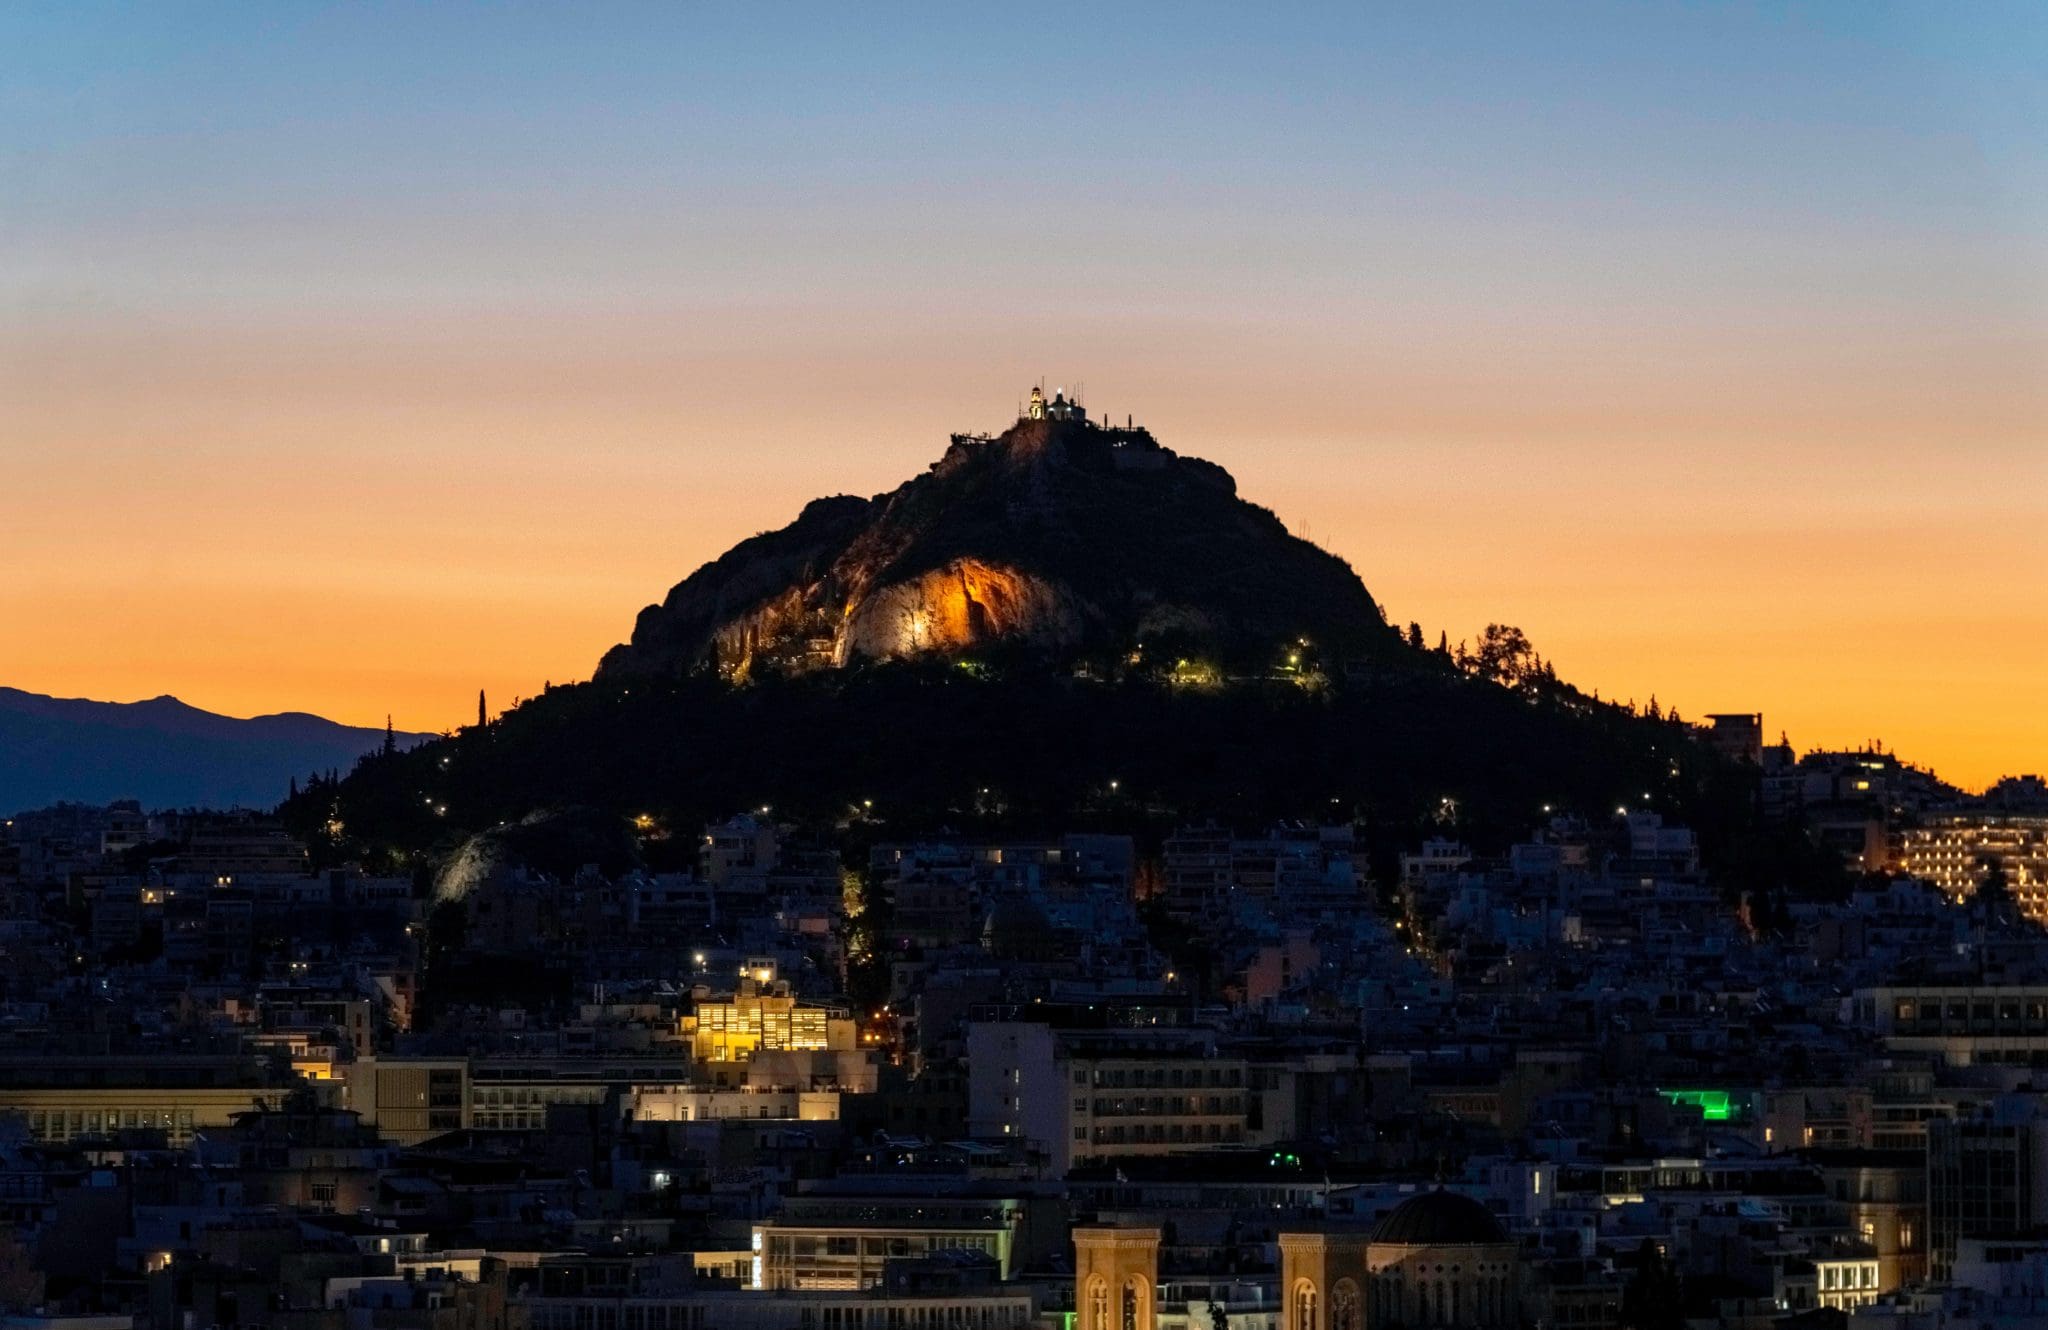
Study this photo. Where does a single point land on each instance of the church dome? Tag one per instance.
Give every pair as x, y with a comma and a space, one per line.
1439, 1219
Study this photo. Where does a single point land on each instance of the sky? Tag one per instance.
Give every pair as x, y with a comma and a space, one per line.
354, 359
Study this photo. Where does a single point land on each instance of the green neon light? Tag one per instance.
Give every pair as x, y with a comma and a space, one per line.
1714, 1105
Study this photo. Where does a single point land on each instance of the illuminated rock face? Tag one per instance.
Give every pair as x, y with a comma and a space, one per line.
950, 610
953, 609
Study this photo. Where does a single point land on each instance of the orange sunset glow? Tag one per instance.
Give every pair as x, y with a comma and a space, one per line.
355, 395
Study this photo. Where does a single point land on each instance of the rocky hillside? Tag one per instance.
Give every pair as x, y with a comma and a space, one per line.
1058, 543
1060, 536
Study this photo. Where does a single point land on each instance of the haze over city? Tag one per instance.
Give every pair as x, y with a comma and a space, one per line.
358, 359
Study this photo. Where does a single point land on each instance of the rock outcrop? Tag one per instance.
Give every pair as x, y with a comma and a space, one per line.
1059, 536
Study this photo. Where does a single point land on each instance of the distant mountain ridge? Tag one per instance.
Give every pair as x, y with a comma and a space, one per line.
163, 752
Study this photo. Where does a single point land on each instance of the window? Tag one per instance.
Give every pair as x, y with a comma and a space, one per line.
1344, 1309
1304, 1306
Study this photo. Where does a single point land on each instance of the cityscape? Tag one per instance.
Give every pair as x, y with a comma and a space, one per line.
1076, 862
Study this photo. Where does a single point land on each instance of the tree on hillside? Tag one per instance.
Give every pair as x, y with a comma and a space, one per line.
1504, 655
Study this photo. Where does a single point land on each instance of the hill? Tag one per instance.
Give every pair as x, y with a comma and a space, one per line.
1062, 627
163, 752
1060, 538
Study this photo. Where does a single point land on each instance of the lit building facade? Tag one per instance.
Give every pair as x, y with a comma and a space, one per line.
54, 1116
1844, 1283
1955, 852
62, 1097
772, 1020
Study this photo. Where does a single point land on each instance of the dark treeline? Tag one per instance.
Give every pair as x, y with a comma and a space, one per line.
923, 747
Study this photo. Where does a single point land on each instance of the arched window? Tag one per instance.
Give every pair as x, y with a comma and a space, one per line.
1304, 1306
1134, 1298
1344, 1308
1098, 1305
